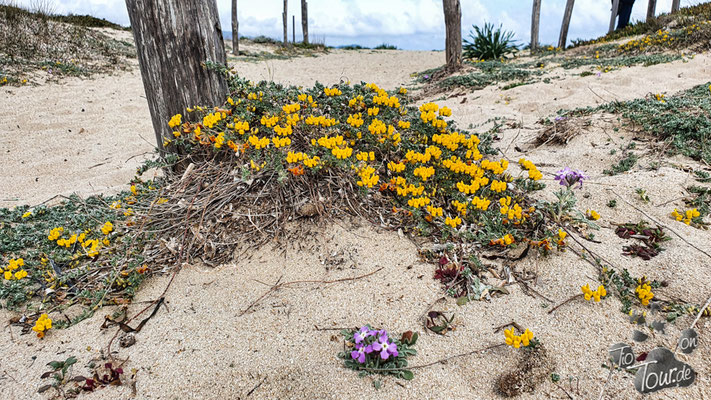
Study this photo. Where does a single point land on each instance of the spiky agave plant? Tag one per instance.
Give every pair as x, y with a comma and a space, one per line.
489, 44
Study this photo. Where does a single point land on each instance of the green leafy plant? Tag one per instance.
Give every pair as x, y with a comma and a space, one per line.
488, 43
623, 165
372, 351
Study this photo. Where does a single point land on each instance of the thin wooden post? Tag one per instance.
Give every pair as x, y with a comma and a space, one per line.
235, 29
535, 23
675, 5
613, 17
305, 20
566, 23
651, 10
453, 27
285, 21
293, 29
174, 39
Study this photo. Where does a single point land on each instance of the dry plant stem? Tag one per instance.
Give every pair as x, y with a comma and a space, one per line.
577, 296
512, 323
493, 346
178, 262
565, 391
602, 391
701, 312
660, 224
278, 286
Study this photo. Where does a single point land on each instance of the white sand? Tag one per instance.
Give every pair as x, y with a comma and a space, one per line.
200, 346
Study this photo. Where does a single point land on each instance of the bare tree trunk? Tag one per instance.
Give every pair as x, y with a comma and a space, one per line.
286, 23
675, 5
613, 17
235, 29
174, 38
566, 23
651, 9
305, 20
453, 41
535, 23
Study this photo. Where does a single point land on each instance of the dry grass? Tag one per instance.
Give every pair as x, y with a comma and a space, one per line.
31, 41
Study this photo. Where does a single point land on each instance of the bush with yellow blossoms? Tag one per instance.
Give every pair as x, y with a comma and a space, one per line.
414, 157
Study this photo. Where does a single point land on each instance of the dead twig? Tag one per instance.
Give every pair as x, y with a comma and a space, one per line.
577, 296
444, 360
278, 286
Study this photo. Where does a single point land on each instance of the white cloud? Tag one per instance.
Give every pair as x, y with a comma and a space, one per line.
421, 22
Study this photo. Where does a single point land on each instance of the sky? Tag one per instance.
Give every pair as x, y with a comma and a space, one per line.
407, 24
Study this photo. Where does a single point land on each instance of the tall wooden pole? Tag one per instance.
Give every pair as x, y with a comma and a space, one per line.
651, 9
535, 23
285, 21
235, 29
675, 5
566, 23
305, 20
613, 17
453, 41
293, 29
174, 39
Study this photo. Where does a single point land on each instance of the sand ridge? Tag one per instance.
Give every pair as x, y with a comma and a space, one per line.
201, 347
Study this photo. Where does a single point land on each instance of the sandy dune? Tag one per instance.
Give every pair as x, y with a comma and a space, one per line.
201, 347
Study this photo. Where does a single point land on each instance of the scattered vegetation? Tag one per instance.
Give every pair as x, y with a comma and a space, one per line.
685, 18
624, 165
385, 46
488, 43
57, 45
683, 120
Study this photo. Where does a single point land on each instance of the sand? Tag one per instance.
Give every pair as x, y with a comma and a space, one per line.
200, 346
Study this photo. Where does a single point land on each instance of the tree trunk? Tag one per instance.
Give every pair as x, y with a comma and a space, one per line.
293, 29
566, 23
613, 17
651, 10
453, 26
286, 23
235, 29
535, 23
675, 5
173, 39
305, 20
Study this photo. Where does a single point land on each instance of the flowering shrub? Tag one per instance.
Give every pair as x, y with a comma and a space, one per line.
433, 177
526, 338
42, 325
687, 217
644, 293
374, 351
596, 294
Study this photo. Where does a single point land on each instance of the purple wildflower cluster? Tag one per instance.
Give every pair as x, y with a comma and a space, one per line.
369, 341
568, 178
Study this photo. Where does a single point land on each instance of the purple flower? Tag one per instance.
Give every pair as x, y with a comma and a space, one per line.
385, 347
568, 178
363, 333
559, 118
359, 353
599, 74
427, 77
